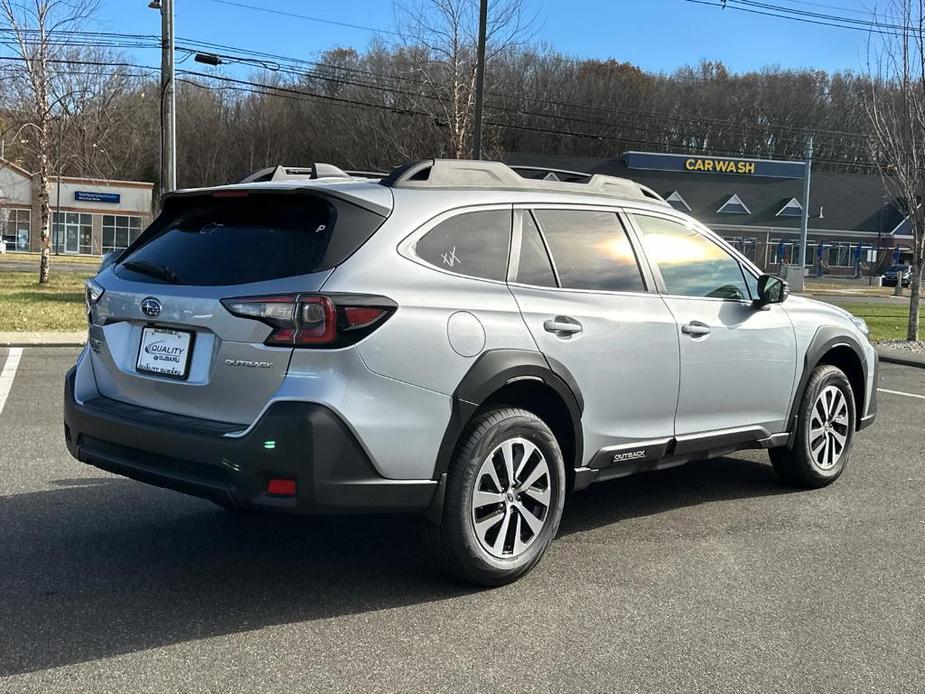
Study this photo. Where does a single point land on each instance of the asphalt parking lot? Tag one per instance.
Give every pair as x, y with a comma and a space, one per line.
707, 578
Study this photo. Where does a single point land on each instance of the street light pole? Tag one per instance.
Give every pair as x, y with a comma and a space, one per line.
480, 82
56, 236
168, 97
804, 222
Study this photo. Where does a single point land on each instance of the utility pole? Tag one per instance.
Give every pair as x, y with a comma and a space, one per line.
804, 222
480, 81
168, 97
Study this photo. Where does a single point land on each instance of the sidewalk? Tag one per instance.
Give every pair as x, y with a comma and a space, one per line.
8, 264
45, 338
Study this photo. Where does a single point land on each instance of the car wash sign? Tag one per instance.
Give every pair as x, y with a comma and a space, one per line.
714, 165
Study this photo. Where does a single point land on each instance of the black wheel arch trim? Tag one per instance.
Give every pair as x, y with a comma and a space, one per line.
827, 338
492, 371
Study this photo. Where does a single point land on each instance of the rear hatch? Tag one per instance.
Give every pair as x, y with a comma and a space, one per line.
161, 336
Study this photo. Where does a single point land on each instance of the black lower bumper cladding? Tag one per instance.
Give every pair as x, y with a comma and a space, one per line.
302, 441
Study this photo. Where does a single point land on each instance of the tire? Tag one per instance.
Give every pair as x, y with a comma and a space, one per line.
818, 452
467, 543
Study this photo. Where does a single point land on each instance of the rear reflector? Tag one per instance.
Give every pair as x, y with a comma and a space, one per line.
281, 487
361, 316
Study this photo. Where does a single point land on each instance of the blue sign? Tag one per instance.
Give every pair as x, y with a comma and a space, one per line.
714, 165
92, 196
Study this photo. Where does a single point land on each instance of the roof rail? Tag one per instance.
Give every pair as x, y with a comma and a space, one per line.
289, 173
473, 174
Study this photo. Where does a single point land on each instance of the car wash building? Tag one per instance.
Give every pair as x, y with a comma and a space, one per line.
89, 216
855, 226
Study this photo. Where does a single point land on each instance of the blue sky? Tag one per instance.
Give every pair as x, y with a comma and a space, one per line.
658, 35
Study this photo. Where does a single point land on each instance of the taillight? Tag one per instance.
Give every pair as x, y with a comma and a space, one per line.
314, 320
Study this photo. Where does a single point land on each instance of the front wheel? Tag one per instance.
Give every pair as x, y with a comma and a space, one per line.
504, 495
818, 451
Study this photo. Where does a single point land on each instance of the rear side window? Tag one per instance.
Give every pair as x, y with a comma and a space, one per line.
590, 250
211, 241
533, 266
473, 243
690, 263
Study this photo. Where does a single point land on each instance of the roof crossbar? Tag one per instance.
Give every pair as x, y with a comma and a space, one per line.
288, 173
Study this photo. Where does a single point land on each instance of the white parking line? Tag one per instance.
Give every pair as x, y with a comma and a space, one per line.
899, 392
8, 373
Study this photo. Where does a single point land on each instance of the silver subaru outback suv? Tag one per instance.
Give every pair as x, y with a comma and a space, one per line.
455, 341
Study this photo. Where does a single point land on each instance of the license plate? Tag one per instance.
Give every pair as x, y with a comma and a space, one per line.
164, 352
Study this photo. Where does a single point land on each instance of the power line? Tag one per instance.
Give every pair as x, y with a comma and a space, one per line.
792, 14
823, 5
295, 15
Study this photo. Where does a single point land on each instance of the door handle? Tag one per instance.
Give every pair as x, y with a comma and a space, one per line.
562, 326
695, 329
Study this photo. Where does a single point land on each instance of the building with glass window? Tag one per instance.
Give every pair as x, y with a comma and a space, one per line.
855, 225
88, 216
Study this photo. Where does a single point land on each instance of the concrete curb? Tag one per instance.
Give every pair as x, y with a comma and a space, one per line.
43, 339
897, 356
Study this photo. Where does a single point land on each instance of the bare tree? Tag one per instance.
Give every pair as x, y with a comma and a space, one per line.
441, 37
39, 29
896, 110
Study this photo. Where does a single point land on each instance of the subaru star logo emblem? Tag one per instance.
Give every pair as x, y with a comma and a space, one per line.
151, 307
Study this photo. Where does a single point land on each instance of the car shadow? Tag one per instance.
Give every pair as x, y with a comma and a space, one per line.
100, 567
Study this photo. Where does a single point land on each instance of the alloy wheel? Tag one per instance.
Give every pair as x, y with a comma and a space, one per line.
511, 498
829, 428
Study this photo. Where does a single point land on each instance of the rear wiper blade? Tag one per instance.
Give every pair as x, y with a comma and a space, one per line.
143, 267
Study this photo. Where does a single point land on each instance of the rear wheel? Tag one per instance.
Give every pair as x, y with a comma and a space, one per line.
504, 495
818, 452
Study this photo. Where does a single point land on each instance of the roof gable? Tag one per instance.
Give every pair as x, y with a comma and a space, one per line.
734, 205
791, 208
676, 201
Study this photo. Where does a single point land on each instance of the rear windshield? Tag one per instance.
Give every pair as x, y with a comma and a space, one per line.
208, 240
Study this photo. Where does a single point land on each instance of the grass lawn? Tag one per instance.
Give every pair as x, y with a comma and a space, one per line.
27, 305
886, 322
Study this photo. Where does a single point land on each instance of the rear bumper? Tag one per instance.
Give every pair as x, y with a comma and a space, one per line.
303, 441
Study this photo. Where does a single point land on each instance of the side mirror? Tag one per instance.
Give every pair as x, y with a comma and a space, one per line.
108, 260
771, 290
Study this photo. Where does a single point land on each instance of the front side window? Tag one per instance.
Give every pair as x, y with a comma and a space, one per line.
475, 244
690, 263
590, 250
